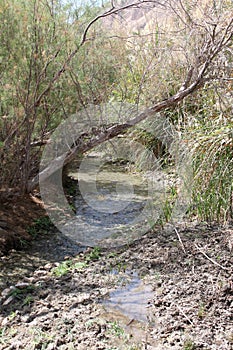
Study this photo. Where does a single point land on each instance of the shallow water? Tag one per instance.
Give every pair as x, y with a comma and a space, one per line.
132, 299
114, 207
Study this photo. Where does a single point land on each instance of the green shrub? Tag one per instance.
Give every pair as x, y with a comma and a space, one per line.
211, 145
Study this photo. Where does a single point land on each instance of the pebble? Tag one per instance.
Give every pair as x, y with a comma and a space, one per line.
16, 345
22, 285
6, 291
40, 272
5, 321
8, 300
48, 266
25, 318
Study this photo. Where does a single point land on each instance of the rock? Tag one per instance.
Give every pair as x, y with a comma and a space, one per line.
8, 300
22, 285
16, 345
5, 321
48, 266
25, 318
40, 272
143, 271
6, 291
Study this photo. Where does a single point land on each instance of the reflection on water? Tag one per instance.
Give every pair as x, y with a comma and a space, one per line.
113, 206
116, 205
132, 299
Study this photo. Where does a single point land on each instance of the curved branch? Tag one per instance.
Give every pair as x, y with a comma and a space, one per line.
114, 11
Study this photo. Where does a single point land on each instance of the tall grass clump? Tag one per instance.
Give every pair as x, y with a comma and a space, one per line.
211, 143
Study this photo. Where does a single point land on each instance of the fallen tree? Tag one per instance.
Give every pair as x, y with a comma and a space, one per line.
210, 35
201, 72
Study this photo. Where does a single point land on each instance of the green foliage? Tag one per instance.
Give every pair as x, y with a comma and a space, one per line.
115, 329
151, 142
19, 292
168, 206
67, 266
71, 187
95, 254
42, 225
12, 315
212, 191
23, 243
37, 39
2, 332
28, 300
41, 339
201, 311
46, 76
22, 294
189, 345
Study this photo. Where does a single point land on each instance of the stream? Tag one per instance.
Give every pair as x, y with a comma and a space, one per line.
113, 208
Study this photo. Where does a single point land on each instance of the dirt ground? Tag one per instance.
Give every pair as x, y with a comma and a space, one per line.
16, 215
189, 270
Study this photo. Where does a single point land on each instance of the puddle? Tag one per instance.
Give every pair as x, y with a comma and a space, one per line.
138, 332
128, 307
131, 300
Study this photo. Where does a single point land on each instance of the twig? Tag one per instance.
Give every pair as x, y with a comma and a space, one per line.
207, 257
180, 240
183, 313
130, 322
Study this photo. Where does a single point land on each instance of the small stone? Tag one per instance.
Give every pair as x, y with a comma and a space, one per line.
143, 271
29, 279
22, 285
40, 272
5, 321
8, 300
25, 318
48, 266
6, 291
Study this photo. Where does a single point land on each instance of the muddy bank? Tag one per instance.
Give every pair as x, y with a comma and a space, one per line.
16, 215
63, 306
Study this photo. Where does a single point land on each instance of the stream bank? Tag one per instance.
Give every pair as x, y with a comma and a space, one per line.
61, 305
17, 213
170, 288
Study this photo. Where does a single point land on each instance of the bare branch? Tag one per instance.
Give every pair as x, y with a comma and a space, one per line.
112, 131
210, 259
114, 11
211, 45
117, 129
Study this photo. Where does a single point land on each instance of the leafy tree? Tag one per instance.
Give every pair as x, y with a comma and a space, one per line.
56, 59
